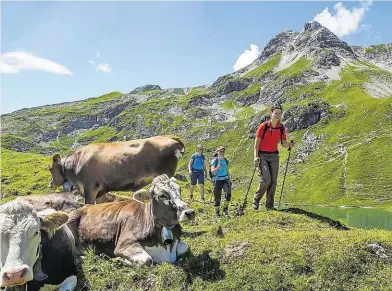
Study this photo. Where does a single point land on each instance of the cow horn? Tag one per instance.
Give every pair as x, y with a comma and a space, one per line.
56, 158
141, 195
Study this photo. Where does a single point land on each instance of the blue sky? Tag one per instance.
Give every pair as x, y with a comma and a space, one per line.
65, 51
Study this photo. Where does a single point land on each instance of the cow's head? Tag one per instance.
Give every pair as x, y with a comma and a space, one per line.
165, 197
56, 170
20, 231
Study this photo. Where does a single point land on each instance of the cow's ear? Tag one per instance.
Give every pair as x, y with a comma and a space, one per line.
52, 221
173, 179
142, 195
56, 158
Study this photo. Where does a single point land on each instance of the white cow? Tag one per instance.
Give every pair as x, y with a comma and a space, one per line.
36, 249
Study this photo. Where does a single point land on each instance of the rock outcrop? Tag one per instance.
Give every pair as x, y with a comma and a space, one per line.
145, 88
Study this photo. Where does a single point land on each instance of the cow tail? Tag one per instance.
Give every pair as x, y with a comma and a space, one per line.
180, 143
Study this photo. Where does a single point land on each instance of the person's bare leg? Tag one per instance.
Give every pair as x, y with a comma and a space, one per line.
202, 192
191, 191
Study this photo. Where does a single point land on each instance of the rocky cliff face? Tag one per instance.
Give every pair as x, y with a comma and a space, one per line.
379, 55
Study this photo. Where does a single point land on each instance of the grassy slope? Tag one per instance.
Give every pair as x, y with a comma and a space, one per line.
365, 132
285, 252
324, 178
23, 173
264, 68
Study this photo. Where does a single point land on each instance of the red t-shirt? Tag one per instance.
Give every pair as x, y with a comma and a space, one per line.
271, 137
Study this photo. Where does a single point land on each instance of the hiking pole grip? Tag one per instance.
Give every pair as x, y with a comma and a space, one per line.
291, 141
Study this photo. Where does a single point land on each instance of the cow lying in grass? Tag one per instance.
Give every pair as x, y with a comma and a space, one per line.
33, 241
65, 201
134, 230
96, 169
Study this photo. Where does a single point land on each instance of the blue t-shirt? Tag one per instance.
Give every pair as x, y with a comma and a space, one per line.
221, 173
198, 162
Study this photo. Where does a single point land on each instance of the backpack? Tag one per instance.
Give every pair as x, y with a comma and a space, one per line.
197, 157
266, 126
215, 156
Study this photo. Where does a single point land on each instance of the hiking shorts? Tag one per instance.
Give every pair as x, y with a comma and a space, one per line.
197, 176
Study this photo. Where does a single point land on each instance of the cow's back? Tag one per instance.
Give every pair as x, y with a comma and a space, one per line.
64, 201
127, 165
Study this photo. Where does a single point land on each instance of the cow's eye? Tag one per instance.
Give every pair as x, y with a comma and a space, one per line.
36, 233
162, 196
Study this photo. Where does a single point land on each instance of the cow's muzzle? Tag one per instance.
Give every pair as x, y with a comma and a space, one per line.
186, 215
15, 276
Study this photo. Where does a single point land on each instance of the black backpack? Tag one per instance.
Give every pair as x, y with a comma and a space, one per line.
266, 126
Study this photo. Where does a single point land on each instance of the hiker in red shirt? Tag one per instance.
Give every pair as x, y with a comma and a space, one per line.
266, 156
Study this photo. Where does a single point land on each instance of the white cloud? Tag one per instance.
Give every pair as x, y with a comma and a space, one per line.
247, 57
344, 22
15, 62
7, 69
103, 67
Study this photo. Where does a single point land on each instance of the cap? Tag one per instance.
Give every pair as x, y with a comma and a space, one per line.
220, 148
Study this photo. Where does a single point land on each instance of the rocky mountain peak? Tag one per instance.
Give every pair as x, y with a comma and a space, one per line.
312, 25
316, 36
315, 42
146, 88
279, 43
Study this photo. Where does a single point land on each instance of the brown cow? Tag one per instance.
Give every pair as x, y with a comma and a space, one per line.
68, 201
64, 201
96, 169
133, 230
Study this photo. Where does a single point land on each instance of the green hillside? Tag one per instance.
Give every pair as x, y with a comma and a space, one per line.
351, 165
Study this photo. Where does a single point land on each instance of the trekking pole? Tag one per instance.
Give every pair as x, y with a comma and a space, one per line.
247, 191
285, 172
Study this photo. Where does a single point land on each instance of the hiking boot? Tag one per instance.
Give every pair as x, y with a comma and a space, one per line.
255, 206
217, 214
270, 208
225, 211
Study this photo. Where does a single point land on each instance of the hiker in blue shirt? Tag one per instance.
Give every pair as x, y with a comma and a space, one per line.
197, 171
221, 180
